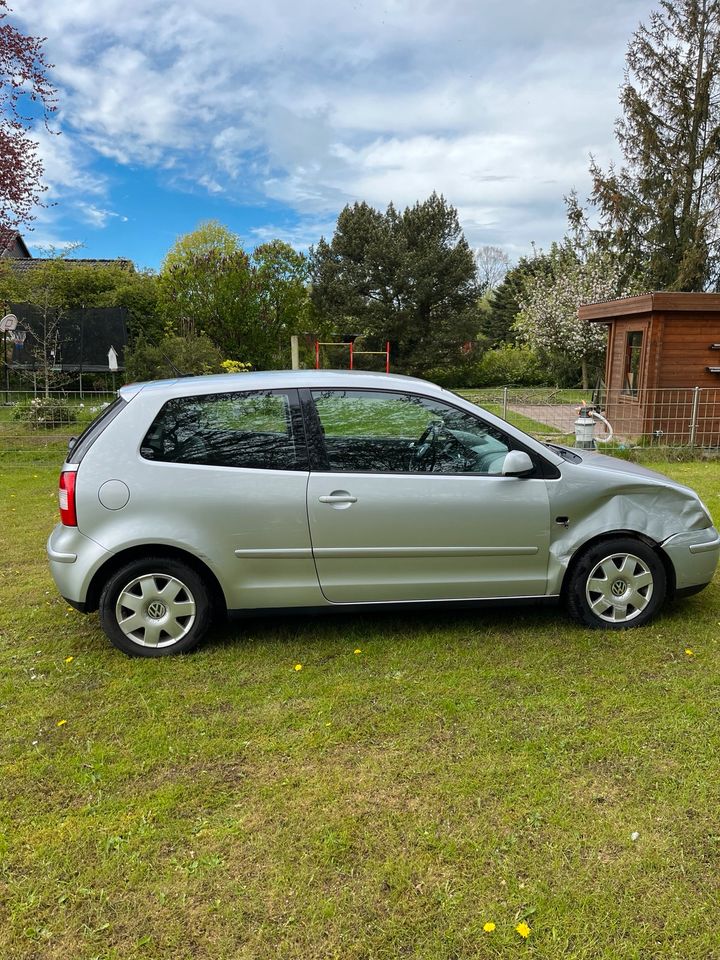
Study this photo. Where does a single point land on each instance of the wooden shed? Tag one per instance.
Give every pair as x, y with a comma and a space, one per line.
661, 347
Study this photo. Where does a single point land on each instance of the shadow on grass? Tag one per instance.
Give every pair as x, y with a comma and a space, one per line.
411, 624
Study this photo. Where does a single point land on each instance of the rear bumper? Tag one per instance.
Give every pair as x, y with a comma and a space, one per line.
694, 556
74, 560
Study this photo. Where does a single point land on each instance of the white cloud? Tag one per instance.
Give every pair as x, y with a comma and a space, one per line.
301, 236
96, 216
496, 105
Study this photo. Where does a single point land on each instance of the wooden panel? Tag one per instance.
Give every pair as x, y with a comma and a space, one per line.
611, 309
707, 303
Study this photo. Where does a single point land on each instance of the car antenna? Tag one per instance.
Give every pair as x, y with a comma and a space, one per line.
178, 373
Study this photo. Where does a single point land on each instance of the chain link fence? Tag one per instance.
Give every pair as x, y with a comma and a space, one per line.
674, 417
35, 428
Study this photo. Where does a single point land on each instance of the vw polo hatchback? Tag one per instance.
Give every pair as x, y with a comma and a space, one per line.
190, 498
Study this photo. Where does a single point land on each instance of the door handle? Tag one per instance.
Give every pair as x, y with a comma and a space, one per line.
338, 498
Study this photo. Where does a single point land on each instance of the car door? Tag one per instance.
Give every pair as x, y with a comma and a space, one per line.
408, 502
224, 476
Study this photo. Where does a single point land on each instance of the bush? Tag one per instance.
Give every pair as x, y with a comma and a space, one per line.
172, 356
236, 366
509, 366
44, 412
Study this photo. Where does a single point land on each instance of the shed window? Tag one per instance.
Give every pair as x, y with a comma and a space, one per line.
633, 352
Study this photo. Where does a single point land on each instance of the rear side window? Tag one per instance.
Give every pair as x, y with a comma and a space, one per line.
88, 437
260, 430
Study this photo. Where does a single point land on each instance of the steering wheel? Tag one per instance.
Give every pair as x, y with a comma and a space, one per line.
424, 452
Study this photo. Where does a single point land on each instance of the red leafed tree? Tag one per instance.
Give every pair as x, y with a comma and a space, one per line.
26, 96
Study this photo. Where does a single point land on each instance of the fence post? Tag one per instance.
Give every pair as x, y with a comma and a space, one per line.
294, 353
505, 398
694, 415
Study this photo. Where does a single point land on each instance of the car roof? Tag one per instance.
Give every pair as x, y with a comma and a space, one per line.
277, 380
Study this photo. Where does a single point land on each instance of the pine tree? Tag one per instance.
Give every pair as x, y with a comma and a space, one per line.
408, 277
660, 211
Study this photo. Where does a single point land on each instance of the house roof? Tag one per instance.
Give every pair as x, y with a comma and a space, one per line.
8, 237
22, 265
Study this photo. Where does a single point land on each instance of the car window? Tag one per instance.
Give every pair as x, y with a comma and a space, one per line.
257, 430
388, 432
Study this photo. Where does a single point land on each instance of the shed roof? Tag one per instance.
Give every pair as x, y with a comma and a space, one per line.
605, 311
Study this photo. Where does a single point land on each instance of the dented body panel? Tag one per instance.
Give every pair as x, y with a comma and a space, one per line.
602, 496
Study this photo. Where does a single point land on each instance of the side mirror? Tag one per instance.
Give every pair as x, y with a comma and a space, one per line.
517, 462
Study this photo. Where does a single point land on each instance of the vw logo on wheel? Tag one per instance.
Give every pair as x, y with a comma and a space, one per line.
157, 610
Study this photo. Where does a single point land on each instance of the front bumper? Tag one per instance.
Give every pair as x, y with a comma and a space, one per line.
74, 560
694, 556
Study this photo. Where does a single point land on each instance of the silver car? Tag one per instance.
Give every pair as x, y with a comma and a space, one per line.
190, 498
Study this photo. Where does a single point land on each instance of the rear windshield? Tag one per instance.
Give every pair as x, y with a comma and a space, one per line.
88, 437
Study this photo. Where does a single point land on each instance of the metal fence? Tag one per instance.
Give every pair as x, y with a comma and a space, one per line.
686, 417
35, 429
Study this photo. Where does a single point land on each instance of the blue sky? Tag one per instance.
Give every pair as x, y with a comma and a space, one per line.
270, 118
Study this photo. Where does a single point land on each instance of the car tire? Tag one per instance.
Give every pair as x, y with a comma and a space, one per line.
616, 585
155, 607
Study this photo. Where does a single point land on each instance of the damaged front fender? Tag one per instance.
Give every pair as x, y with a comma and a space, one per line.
593, 501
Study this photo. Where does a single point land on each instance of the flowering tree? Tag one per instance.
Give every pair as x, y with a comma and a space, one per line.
549, 302
25, 95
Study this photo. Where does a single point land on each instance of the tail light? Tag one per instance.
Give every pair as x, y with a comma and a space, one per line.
66, 498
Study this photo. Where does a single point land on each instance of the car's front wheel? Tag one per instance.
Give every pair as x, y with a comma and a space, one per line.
155, 607
616, 584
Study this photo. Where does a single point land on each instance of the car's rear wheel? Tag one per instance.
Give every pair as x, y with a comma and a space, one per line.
615, 585
155, 607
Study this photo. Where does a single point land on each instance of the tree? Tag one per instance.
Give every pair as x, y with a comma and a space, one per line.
207, 286
491, 264
25, 93
661, 209
500, 307
45, 289
282, 276
574, 273
170, 355
405, 277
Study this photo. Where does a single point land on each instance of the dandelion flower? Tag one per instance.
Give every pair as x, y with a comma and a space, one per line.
489, 927
69, 659
298, 666
689, 652
356, 652
60, 723
523, 929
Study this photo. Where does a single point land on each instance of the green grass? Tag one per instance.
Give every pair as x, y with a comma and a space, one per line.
463, 768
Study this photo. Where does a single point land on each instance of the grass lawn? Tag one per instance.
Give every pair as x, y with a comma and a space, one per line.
419, 777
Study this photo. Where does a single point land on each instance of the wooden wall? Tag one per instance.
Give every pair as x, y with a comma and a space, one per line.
686, 351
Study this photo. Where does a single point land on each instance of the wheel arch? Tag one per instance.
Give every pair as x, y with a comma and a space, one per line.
118, 560
670, 584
